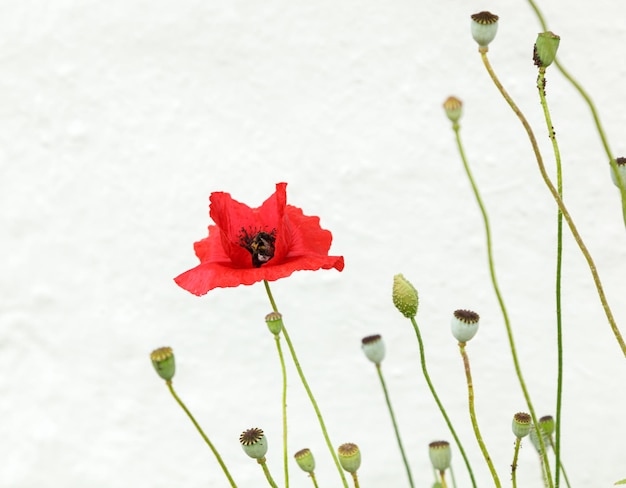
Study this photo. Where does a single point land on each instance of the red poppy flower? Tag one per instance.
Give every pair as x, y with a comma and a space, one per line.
253, 244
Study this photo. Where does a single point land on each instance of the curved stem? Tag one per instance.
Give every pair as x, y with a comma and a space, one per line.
266, 471
472, 411
518, 441
284, 408
561, 205
201, 432
395, 425
594, 113
309, 393
541, 86
439, 404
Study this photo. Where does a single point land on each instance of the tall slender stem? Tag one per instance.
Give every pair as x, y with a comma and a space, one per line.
518, 441
284, 408
355, 479
541, 86
439, 404
472, 411
309, 393
266, 471
561, 205
395, 425
201, 432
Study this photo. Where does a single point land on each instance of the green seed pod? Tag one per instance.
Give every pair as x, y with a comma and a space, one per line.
464, 324
521, 424
274, 322
454, 108
254, 443
620, 163
305, 460
404, 296
374, 348
164, 362
484, 29
349, 457
547, 425
546, 46
534, 438
440, 455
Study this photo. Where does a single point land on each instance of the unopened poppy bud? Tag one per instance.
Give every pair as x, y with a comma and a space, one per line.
304, 458
464, 324
454, 108
349, 457
484, 29
620, 164
404, 296
546, 46
521, 424
374, 348
163, 362
547, 425
274, 322
440, 455
254, 443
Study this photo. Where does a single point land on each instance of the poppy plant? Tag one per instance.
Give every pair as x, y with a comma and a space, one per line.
247, 245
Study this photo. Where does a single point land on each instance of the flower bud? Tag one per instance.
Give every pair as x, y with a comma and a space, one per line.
484, 29
374, 348
254, 443
545, 49
521, 424
404, 296
620, 164
163, 362
274, 322
440, 455
305, 460
464, 325
454, 108
349, 457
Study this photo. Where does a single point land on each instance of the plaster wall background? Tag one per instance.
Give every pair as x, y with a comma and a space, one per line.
119, 118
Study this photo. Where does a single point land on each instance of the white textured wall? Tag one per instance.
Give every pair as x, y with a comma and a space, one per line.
119, 118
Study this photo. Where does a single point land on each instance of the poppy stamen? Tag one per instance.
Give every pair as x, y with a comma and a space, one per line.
260, 244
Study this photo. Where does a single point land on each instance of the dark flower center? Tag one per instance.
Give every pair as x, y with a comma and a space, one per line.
260, 244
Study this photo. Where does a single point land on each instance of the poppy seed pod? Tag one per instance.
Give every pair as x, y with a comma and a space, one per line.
620, 164
534, 438
349, 457
164, 362
521, 424
404, 296
374, 348
454, 108
547, 425
544, 51
464, 324
440, 455
274, 322
484, 29
254, 443
304, 458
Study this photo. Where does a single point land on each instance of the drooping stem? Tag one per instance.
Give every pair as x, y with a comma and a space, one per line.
518, 441
266, 471
561, 205
472, 411
594, 113
395, 425
541, 86
309, 393
284, 408
201, 432
439, 404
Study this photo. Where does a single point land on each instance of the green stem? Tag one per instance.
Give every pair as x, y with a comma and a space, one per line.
266, 471
562, 467
355, 479
594, 113
492, 268
439, 404
284, 408
318, 413
452, 476
312, 476
518, 441
561, 205
201, 432
443, 480
541, 86
395, 425
472, 411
